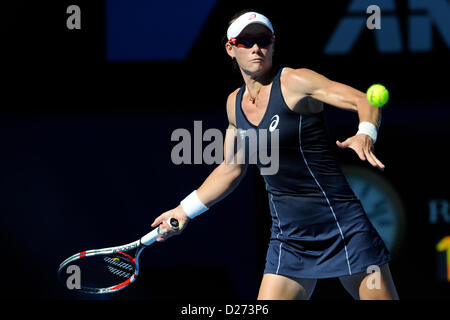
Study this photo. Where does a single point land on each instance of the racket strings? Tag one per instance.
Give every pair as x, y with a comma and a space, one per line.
118, 263
119, 267
119, 273
101, 271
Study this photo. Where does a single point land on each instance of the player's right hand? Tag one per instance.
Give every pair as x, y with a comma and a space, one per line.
177, 213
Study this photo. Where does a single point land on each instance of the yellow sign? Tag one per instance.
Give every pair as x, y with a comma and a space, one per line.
444, 245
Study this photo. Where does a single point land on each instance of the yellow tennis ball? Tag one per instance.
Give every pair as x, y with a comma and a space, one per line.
116, 259
377, 95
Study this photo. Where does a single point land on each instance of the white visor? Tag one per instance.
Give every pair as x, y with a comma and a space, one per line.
247, 18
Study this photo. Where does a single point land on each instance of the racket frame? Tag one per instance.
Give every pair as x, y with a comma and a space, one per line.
140, 244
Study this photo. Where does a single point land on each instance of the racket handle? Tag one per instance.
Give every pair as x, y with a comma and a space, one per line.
151, 237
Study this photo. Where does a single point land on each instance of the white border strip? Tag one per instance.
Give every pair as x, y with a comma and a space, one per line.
279, 258
276, 212
324, 194
281, 231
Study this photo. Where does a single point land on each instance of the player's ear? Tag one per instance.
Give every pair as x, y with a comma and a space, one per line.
229, 49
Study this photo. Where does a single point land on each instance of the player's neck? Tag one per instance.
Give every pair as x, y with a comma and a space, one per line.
254, 83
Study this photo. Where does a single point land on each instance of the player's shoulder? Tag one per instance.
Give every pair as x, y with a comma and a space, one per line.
295, 80
232, 97
231, 107
299, 74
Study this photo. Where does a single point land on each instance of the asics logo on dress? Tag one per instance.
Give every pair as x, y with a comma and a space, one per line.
274, 124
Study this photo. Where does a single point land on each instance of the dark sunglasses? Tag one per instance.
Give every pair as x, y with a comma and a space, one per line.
248, 42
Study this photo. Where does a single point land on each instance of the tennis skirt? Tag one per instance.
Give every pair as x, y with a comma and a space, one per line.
313, 237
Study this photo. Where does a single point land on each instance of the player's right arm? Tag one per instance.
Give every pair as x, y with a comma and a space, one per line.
227, 175
220, 182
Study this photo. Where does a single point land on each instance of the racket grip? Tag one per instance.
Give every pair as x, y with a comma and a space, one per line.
151, 237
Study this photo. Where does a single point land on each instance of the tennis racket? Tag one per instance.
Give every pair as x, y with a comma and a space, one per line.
110, 269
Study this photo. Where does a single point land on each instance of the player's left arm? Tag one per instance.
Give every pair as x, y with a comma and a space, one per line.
304, 81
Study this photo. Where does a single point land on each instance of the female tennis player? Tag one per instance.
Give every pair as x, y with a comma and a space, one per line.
319, 228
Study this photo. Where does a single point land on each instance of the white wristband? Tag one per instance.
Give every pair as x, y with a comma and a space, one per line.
192, 205
369, 129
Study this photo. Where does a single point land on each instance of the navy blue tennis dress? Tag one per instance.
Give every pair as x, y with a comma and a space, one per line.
319, 227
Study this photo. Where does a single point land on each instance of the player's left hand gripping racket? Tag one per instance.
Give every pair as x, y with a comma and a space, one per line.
110, 269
